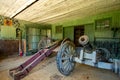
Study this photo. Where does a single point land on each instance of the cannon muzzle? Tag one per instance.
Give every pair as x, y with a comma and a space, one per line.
84, 41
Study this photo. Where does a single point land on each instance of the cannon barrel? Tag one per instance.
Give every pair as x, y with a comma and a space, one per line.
84, 41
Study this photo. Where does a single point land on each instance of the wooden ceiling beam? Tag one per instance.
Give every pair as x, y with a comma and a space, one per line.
25, 6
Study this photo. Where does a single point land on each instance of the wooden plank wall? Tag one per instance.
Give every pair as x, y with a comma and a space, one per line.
9, 47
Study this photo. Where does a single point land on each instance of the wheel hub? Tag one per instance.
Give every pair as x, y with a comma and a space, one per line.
71, 58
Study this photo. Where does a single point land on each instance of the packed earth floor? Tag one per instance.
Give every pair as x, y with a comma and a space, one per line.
47, 70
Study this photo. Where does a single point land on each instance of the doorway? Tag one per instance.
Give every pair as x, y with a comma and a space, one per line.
78, 31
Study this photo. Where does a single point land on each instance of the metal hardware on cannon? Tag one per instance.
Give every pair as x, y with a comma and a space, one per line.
84, 41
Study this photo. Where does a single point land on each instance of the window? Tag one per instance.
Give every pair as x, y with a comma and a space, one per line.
59, 29
103, 23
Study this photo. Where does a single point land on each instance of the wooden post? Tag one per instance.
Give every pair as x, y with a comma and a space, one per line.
20, 43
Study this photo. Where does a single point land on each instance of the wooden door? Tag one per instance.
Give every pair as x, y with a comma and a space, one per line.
78, 31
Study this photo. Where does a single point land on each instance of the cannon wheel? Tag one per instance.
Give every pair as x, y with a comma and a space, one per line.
104, 54
65, 63
43, 43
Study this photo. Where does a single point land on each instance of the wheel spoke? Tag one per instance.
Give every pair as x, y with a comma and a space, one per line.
65, 65
69, 66
65, 52
65, 58
72, 49
69, 48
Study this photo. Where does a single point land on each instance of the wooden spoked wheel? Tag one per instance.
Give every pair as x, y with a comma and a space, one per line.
65, 63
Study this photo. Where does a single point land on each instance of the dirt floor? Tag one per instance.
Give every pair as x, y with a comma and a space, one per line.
47, 70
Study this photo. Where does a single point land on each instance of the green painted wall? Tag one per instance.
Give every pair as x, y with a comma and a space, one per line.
23, 25
67, 32
56, 35
115, 15
8, 32
90, 29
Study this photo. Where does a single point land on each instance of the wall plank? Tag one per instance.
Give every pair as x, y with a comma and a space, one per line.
9, 47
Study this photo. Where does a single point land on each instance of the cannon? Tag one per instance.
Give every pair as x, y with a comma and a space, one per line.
68, 55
